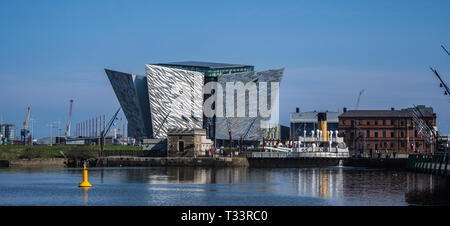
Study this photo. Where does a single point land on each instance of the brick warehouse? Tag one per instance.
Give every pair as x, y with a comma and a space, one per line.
367, 131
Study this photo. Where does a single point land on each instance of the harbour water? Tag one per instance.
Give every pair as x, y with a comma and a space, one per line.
169, 186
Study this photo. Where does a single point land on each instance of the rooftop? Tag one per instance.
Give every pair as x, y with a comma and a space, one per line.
404, 113
208, 65
311, 116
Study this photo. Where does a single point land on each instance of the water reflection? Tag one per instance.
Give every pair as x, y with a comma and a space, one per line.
85, 195
222, 186
433, 190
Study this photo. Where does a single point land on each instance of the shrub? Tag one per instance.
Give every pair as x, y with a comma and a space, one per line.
80, 153
30, 153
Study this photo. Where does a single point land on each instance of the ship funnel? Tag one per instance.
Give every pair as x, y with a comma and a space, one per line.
322, 123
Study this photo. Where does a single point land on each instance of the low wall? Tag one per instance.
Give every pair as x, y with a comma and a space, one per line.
301, 162
168, 161
25, 163
391, 163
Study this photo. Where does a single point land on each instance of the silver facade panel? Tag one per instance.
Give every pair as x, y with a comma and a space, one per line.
176, 98
129, 96
250, 127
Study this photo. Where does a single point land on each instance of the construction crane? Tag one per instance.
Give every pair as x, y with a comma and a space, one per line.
447, 90
105, 131
245, 134
359, 98
120, 128
24, 132
229, 134
68, 122
445, 50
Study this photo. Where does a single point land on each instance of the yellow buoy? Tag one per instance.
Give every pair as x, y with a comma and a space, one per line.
85, 182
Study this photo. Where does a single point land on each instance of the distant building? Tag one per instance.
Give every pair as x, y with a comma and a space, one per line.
187, 142
306, 122
154, 147
7, 131
387, 130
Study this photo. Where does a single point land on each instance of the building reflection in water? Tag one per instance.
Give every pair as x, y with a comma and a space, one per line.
193, 175
358, 186
424, 189
322, 183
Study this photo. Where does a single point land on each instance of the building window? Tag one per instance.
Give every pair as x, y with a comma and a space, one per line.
359, 122
392, 133
351, 122
343, 122
384, 133
402, 134
392, 122
402, 122
392, 145
180, 146
368, 122
384, 122
376, 122
376, 133
368, 133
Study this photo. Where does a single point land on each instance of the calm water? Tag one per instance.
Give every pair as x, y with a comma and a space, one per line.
222, 186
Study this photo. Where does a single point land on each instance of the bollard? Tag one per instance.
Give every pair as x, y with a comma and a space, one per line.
85, 182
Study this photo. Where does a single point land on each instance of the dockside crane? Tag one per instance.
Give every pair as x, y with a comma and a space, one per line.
120, 128
359, 99
445, 50
442, 83
105, 131
68, 122
245, 134
24, 132
230, 137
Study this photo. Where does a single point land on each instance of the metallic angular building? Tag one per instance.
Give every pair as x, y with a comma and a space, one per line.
249, 127
163, 98
169, 96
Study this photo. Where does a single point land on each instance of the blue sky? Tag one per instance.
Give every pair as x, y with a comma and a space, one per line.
54, 51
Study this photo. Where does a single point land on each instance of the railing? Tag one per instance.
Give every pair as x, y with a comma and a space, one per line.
134, 153
298, 155
436, 163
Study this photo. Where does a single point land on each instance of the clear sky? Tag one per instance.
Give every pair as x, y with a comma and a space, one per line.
54, 51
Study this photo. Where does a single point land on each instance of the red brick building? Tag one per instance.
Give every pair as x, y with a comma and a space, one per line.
385, 130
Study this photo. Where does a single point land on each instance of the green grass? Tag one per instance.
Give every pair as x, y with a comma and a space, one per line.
9, 152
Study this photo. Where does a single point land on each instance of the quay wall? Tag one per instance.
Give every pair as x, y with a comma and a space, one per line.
31, 163
397, 163
115, 161
303, 162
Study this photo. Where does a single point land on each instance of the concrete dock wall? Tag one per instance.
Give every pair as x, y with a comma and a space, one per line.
25, 163
293, 162
397, 163
169, 161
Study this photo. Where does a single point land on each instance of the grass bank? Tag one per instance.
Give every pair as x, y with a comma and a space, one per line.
12, 152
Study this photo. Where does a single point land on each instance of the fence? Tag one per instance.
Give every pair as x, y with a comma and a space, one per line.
299, 155
436, 163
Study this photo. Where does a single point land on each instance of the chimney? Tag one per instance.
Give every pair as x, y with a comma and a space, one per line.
345, 109
297, 110
392, 109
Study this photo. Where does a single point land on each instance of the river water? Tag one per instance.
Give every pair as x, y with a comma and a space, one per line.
169, 186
